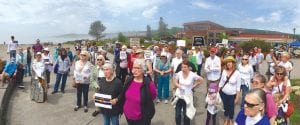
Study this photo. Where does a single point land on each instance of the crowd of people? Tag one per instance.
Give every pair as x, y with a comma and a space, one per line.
135, 82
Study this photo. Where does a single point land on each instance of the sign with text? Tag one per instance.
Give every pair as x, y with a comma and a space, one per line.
103, 101
134, 41
180, 43
147, 54
198, 41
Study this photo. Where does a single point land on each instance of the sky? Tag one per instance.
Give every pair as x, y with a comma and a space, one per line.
28, 20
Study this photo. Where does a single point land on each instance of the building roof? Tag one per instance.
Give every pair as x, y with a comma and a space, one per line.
203, 22
252, 31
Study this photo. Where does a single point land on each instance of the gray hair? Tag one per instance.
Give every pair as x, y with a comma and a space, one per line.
142, 63
261, 78
111, 67
260, 96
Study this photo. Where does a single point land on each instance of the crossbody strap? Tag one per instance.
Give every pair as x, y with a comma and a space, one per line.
227, 80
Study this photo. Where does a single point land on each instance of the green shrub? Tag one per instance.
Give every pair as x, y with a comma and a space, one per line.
247, 46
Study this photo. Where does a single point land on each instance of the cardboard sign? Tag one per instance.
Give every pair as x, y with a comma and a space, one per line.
180, 43
225, 41
123, 55
103, 101
147, 54
134, 41
198, 41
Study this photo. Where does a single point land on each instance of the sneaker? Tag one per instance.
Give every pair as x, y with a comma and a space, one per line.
76, 108
85, 109
54, 92
157, 101
21, 86
166, 101
95, 113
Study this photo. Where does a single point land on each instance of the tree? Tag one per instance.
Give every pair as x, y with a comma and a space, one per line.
149, 34
96, 29
122, 38
162, 29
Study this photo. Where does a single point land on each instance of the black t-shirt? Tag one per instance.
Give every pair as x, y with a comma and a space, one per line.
191, 66
113, 88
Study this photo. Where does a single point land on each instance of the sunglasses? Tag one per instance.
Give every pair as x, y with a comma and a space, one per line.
99, 60
83, 55
244, 59
250, 105
280, 74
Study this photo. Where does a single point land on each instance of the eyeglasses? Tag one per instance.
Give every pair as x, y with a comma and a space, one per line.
83, 55
99, 60
244, 59
250, 105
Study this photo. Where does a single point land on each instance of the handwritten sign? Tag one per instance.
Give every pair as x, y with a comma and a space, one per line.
180, 43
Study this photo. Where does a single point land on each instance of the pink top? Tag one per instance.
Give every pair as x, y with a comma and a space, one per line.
132, 106
271, 108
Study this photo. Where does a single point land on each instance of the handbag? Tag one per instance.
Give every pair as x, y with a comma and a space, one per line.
56, 68
290, 105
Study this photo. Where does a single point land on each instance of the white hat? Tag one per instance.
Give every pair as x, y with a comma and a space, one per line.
38, 53
46, 49
163, 54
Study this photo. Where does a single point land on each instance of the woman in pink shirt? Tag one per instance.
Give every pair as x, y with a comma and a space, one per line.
139, 93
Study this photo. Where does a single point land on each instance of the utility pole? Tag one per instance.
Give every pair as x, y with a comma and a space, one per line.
294, 34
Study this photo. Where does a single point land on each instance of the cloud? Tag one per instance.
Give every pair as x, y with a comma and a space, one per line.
149, 13
259, 20
203, 5
275, 16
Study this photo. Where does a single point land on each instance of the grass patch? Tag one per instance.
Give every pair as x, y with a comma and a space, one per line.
295, 118
295, 82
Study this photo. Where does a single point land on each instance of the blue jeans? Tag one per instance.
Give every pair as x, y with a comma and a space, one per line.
199, 69
63, 83
12, 53
245, 90
181, 106
163, 87
28, 68
114, 120
228, 104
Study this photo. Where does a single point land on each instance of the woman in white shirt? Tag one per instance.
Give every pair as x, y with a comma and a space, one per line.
186, 80
253, 60
46, 57
280, 83
229, 88
38, 68
246, 72
82, 73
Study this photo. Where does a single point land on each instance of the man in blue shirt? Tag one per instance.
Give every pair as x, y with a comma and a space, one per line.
9, 71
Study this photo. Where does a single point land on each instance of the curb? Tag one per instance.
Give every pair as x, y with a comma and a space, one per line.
5, 102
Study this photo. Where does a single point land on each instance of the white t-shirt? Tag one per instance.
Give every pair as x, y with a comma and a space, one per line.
186, 83
175, 63
253, 60
246, 74
199, 57
275, 89
233, 85
260, 57
287, 65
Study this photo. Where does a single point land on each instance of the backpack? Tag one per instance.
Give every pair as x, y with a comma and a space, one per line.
280, 118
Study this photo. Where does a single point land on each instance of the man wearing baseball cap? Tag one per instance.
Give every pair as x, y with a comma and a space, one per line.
212, 66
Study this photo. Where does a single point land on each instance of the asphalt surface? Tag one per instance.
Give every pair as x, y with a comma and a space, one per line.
58, 110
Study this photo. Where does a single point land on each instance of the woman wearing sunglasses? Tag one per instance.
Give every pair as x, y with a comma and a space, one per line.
259, 81
97, 74
253, 112
280, 83
246, 72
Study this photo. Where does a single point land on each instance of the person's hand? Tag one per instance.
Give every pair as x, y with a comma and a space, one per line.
236, 100
161, 72
114, 101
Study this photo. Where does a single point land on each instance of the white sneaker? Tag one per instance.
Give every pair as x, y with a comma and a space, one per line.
166, 101
157, 101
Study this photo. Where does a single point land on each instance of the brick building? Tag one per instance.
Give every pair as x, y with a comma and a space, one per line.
211, 31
